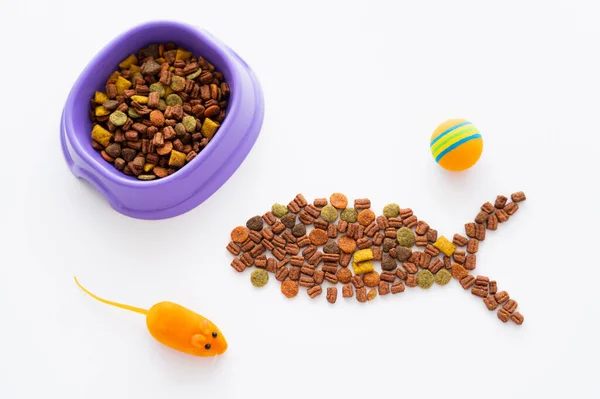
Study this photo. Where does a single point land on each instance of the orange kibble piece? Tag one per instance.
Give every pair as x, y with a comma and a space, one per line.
289, 288
157, 118
239, 234
366, 217
347, 244
338, 200
318, 237
458, 271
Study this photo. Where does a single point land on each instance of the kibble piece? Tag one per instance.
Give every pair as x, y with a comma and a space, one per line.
362, 267
421, 241
361, 294
344, 275
490, 302
481, 292
410, 267
177, 159
459, 272
331, 294
255, 223
318, 237
314, 291
471, 229
481, 217
459, 257
459, 240
349, 215
432, 235
338, 200
384, 288
320, 202
371, 294
366, 217
397, 287
388, 263
502, 215
377, 253
362, 203
329, 213
289, 288
388, 243
411, 280
259, 278
493, 287
391, 210
209, 128
363, 255
502, 296
480, 232
347, 244
511, 208
331, 247
405, 237
371, 279
288, 220
503, 315
470, 262
510, 306
101, 135
403, 253
492, 223
517, 318
118, 118
467, 282
425, 279
347, 291
500, 202
442, 277
473, 246
422, 228
279, 210
518, 196
239, 234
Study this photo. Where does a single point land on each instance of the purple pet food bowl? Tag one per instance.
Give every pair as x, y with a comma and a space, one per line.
199, 179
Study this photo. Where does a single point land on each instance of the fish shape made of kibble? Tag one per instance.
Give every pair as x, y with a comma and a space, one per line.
410, 251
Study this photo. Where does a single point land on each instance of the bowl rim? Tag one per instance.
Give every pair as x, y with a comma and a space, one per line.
116, 176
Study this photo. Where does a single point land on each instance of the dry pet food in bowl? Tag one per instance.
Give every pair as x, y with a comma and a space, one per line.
161, 118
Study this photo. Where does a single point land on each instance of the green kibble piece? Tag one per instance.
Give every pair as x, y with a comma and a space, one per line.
443, 277
133, 113
405, 237
424, 279
194, 75
118, 118
391, 210
159, 88
349, 215
162, 105
260, 278
189, 123
177, 83
329, 213
279, 210
174, 99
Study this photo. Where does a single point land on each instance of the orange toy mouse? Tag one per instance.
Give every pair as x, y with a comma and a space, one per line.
178, 327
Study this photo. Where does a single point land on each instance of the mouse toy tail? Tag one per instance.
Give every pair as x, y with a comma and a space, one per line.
119, 305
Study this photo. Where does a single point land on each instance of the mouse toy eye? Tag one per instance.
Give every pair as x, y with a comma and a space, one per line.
207, 346
214, 335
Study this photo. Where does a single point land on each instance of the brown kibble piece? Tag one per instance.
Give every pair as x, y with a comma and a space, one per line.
493, 287
422, 228
503, 315
239, 234
318, 237
502, 296
320, 202
511, 208
481, 217
518, 196
517, 318
289, 288
459, 241
500, 202
471, 229
473, 246
361, 295
357, 281
238, 265
432, 235
362, 203
470, 262
384, 288
397, 287
233, 248
411, 280
488, 208
502, 215
467, 282
347, 291
490, 302
331, 294
480, 291
480, 232
510, 305
492, 222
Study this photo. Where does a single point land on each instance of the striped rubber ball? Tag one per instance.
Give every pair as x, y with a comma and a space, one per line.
456, 145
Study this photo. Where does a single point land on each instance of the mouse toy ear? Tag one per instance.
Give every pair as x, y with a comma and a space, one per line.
198, 340
204, 328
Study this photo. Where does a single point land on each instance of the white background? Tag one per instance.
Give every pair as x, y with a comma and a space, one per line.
353, 91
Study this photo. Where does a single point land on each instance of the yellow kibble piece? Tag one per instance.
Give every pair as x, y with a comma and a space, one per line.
363, 267
148, 167
209, 128
177, 159
114, 75
211, 67
183, 55
160, 60
100, 98
101, 135
122, 85
101, 111
168, 91
134, 68
127, 62
363, 255
171, 69
445, 246
140, 99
